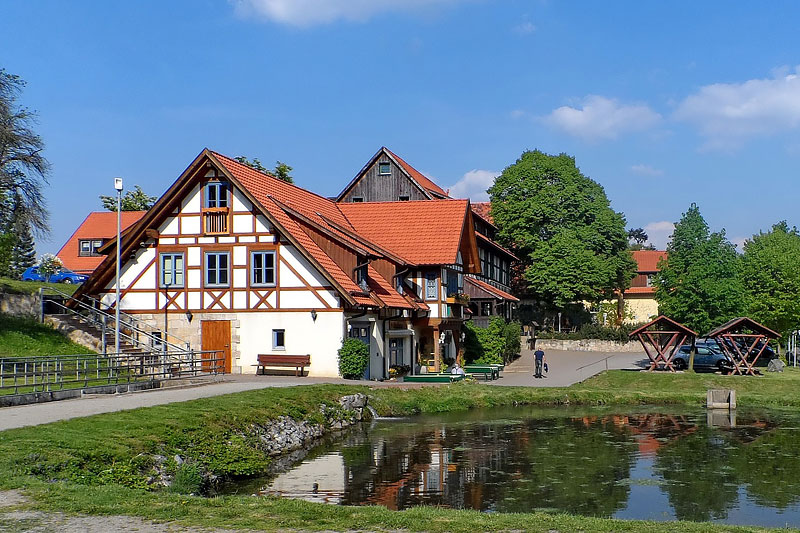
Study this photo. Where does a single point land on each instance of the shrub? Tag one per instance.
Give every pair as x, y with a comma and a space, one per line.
496, 344
353, 358
188, 479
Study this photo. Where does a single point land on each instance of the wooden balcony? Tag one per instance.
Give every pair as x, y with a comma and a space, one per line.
215, 222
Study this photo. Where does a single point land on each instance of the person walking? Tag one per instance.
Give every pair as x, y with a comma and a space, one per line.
539, 359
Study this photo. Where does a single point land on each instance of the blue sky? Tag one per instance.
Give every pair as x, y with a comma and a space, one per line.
663, 103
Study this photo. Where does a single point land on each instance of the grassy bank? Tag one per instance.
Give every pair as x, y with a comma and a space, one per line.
100, 464
15, 286
26, 337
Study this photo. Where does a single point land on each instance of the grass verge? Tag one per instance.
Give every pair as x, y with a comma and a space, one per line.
99, 464
15, 286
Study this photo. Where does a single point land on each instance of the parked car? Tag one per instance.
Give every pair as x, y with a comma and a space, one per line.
64, 275
705, 358
767, 355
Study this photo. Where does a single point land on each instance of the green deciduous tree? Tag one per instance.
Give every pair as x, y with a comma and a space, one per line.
135, 200
560, 223
700, 285
282, 170
771, 276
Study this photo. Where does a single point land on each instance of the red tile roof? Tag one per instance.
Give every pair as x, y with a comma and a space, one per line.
483, 210
426, 232
491, 289
647, 260
640, 290
418, 176
98, 225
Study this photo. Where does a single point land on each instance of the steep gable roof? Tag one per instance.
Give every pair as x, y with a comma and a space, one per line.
427, 232
647, 260
418, 176
98, 225
423, 183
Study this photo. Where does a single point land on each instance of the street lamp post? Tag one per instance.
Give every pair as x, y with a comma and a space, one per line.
118, 187
166, 316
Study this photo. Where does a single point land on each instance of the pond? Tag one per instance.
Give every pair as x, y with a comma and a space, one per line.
740, 468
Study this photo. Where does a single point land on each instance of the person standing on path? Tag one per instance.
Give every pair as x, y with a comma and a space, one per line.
538, 355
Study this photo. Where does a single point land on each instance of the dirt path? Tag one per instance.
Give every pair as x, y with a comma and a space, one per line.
16, 517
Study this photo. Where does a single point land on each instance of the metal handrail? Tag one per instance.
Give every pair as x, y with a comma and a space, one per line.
156, 343
46, 374
130, 321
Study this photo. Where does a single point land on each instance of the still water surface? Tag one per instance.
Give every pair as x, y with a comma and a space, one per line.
738, 469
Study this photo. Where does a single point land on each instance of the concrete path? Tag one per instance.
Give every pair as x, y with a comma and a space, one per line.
566, 368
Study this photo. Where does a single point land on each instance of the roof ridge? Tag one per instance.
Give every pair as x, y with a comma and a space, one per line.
274, 178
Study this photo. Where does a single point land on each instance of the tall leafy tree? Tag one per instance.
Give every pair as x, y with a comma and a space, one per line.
771, 276
560, 223
23, 168
699, 285
135, 200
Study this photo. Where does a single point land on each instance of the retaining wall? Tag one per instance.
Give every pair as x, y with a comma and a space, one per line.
20, 304
589, 345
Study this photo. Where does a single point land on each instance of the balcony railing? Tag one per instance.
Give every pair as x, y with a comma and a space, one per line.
216, 222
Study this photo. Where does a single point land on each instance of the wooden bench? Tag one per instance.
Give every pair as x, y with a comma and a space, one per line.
298, 362
487, 371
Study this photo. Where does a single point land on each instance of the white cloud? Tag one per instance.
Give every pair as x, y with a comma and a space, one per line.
739, 243
658, 233
525, 28
602, 118
728, 113
517, 114
304, 13
473, 185
646, 170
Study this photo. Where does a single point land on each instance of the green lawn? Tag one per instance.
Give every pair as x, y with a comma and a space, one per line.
14, 286
99, 464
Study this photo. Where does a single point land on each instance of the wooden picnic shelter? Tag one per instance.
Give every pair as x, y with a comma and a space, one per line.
742, 337
660, 339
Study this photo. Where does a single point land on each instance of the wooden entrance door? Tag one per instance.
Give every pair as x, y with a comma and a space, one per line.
216, 335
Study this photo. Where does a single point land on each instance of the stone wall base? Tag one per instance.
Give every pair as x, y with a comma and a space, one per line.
589, 345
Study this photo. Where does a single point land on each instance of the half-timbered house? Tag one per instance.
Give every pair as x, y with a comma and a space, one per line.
386, 177
235, 260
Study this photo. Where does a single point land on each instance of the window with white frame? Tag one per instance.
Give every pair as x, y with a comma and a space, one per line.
384, 168
171, 270
217, 269
278, 339
262, 269
87, 248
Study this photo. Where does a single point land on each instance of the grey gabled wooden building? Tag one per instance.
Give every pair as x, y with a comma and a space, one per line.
386, 177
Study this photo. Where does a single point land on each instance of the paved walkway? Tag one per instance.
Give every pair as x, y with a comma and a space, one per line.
566, 368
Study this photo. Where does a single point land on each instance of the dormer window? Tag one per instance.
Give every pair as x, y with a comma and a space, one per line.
88, 248
360, 275
384, 168
216, 201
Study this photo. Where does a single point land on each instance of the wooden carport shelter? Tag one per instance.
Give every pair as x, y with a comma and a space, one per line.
740, 337
660, 339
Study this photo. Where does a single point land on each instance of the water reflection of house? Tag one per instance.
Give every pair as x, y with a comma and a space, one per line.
651, 431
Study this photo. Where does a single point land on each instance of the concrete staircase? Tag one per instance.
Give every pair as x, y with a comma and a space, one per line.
88, 335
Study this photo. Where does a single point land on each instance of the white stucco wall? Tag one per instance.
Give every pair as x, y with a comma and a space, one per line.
321, 338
